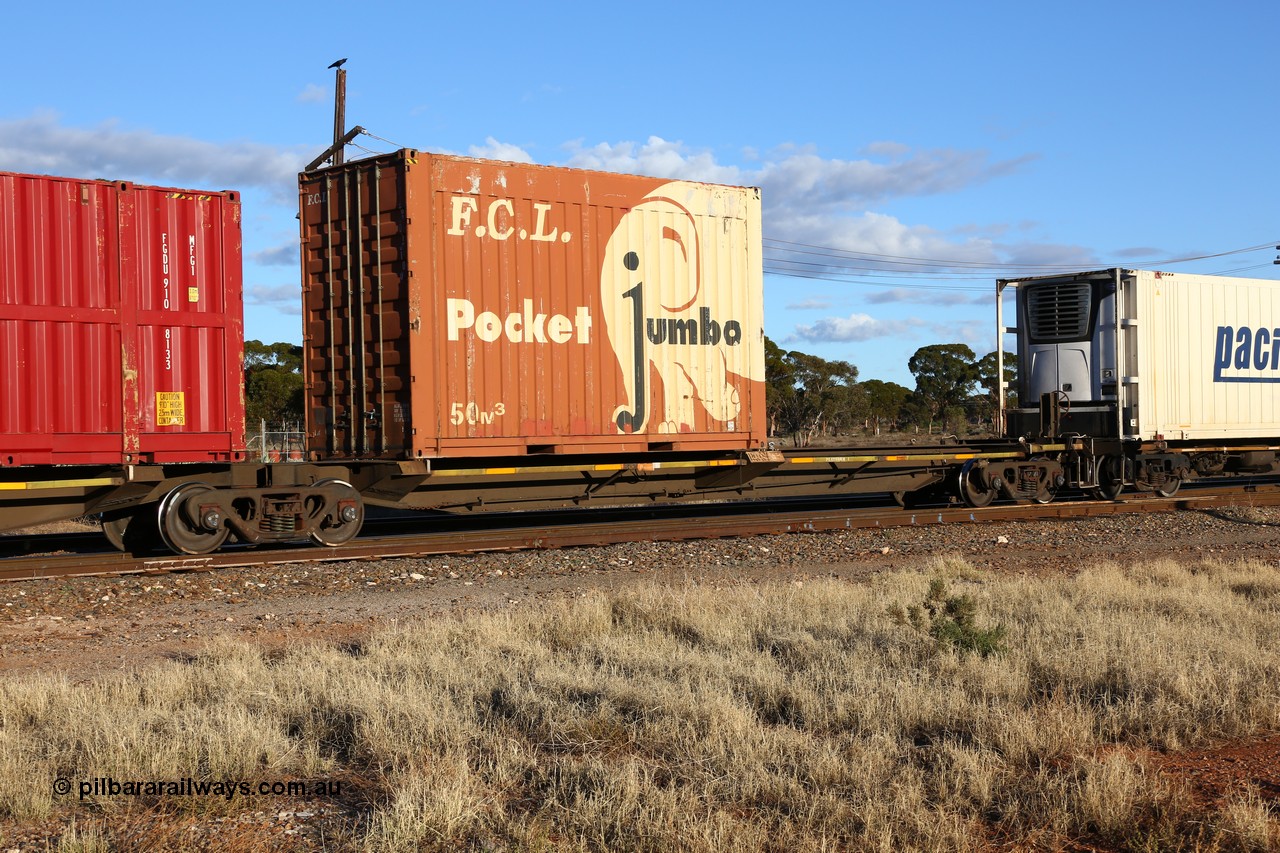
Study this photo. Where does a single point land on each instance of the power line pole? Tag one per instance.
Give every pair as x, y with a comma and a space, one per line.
339, 111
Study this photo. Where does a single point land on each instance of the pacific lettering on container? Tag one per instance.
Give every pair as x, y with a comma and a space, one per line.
1246, 348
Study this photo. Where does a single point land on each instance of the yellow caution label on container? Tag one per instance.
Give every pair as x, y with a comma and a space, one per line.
171, 408
193, 294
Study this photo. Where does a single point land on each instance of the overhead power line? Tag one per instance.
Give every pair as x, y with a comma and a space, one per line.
954, 263
881, 270
804, 260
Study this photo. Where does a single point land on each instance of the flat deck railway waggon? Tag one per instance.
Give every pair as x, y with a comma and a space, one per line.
477, 336
1140, 378
487, 336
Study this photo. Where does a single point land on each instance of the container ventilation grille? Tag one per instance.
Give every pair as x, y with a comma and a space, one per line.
1059, 312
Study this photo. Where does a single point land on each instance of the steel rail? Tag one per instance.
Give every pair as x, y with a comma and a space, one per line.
617, 531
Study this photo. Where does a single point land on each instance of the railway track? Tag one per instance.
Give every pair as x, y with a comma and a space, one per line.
522, 531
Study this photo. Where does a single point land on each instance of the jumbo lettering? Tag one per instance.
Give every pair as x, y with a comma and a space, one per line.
705, 331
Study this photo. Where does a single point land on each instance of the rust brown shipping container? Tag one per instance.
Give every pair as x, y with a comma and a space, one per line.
462, 307
121, 323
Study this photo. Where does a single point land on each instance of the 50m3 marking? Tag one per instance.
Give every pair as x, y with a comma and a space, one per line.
471, 414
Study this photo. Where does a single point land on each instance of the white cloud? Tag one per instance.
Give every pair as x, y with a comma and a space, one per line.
807, 198
805, 181
809, 305
285, 255
313, 94
1142, 253
1050, 253
883, 237
923, 296
886, 149
43, 145
495, 150
794, 175
656, 157
979, 335
285, 298
821, 201
855, 327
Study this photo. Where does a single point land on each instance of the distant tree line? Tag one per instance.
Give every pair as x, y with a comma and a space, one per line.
805, 396
272, 385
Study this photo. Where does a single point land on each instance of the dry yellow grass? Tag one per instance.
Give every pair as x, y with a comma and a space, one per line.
757, 717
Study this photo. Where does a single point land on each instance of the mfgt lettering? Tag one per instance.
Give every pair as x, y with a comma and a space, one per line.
1246, 348
518, 327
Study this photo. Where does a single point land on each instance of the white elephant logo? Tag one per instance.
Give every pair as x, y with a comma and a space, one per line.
679, 298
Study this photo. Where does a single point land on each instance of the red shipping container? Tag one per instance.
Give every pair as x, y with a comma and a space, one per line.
121, 323
459, 307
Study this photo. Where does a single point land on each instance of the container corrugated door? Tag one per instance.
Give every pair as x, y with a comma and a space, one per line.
355, 309
188, 344
59, 341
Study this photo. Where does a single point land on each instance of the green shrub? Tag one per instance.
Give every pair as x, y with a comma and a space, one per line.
951, 620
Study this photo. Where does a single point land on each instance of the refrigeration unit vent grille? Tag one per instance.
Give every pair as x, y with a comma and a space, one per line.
1059, 312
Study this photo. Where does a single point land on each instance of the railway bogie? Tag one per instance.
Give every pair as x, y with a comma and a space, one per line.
193, 509
195, 518
979, 482
1103, 472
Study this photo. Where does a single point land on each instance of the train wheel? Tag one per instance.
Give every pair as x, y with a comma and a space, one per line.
1168, 488
1048, 488
1109, 475
341, 524
133, 531
181, 526
115, 530
971, 491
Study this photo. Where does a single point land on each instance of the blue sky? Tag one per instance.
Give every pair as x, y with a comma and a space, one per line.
959, 142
